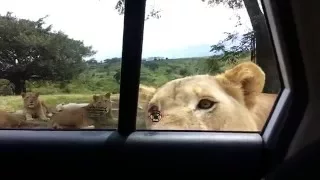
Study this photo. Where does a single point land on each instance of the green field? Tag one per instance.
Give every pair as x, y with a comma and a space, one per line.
99, 78
13, 103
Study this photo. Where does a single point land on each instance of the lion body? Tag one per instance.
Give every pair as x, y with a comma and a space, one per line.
63, 106
263, 108
96, 114
8, 121
231, 101
75, 118
15, 120
33, 107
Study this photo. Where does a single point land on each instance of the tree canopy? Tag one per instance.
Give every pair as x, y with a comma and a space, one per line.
264, 53
154, 13
30, 50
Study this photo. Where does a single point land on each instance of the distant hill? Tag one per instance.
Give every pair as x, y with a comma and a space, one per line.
183, 52
104, 77
202, 50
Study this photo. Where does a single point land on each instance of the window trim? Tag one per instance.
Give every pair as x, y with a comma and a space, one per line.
134, 17
246, 151
289, 111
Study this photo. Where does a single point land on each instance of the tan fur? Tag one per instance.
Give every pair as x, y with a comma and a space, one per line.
263, 108
33, 107
79, 117
145, 92
13, 120
100, 110
63, 106
238, 101
71, 118
8, 121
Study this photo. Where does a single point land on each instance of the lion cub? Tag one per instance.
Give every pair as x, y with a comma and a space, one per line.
97, 113
231, 101
33, 107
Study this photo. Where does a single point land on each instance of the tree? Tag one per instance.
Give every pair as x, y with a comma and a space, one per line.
30, 50
117, 76
236, 51
106, 67
151, 65
264, 51
152, 14
184, 72
92, 61
265, 56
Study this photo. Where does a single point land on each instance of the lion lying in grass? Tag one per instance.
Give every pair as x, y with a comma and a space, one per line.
231, 101
16, 120
96, 114
8, 120
33, 107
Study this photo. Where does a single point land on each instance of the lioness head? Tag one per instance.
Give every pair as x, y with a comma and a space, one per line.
102, 102
205, 102
30, 99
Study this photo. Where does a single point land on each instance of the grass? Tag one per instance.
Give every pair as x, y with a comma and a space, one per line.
104, 77
99, 79
14, 103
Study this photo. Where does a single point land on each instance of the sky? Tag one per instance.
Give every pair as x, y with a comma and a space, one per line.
186, 27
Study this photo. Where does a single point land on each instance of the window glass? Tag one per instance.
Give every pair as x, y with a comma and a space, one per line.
207, 65
60, 63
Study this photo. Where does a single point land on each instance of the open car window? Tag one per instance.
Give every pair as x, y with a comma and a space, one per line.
192, 75
212, 80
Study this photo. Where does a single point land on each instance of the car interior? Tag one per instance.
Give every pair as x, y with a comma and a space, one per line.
287, 148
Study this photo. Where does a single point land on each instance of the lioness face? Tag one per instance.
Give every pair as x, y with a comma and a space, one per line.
193, 103
204, 102
102, 102
30, 99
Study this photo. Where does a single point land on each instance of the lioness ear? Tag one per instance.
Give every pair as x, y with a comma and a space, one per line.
146, 92
23, 94
247, 76
37, 94
107, 95
95, 98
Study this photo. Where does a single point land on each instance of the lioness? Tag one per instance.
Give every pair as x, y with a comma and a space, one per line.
230, 101
33, 107
100, 110
13, 120
71, 119
8, 121
97, 113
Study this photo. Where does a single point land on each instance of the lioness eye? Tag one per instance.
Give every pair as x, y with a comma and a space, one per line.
205, 104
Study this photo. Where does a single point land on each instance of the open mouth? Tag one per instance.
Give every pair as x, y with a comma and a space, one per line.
155, 116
